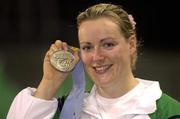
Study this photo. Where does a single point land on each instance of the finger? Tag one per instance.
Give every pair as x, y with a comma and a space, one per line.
54, 48
51, 50
58, 44
65, 46
48, 55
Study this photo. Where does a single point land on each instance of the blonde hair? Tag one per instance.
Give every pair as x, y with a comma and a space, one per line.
116, 14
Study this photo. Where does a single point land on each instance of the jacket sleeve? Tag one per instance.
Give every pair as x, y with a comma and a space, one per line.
167, 108
26, 106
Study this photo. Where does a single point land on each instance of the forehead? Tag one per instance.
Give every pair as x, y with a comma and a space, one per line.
98, 28
97, 23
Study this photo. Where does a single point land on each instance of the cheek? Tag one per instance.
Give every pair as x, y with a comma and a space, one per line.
120, 57
85, 58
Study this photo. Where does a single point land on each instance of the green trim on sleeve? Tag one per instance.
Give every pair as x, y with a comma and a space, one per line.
166, 107
56, 116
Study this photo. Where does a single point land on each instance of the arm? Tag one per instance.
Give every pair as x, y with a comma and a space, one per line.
40, 102
52, 79
167, 108
26, 106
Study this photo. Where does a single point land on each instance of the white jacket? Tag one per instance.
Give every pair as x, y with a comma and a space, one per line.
136, 104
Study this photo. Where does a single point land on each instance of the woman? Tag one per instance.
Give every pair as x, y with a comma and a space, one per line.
108, 50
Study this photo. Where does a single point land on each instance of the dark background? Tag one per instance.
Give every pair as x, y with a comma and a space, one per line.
28, 27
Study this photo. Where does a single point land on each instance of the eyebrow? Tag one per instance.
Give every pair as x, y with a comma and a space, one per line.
102, 40
84, 42
88, 43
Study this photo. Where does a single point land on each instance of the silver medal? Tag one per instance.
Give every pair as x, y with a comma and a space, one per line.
63, 60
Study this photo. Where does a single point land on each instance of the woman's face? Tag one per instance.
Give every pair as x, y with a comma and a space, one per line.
104, 51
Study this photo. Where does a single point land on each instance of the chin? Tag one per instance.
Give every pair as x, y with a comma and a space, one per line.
102, 81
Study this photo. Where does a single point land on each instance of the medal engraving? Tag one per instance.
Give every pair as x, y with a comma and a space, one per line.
63, 61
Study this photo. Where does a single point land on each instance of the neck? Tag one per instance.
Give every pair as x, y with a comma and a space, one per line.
118, 88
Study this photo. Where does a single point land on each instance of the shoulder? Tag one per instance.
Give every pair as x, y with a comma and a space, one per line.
167, 108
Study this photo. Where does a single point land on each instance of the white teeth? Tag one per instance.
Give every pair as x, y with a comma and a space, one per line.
101, 69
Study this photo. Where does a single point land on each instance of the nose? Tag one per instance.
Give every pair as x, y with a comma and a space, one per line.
98, 55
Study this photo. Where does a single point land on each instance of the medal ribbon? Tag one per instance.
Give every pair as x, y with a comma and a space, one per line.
73, 103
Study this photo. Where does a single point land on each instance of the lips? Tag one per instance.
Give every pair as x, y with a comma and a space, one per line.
102, 69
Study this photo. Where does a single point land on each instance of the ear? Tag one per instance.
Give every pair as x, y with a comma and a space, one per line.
132, 44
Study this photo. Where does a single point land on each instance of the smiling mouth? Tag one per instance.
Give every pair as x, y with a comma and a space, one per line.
102, 69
